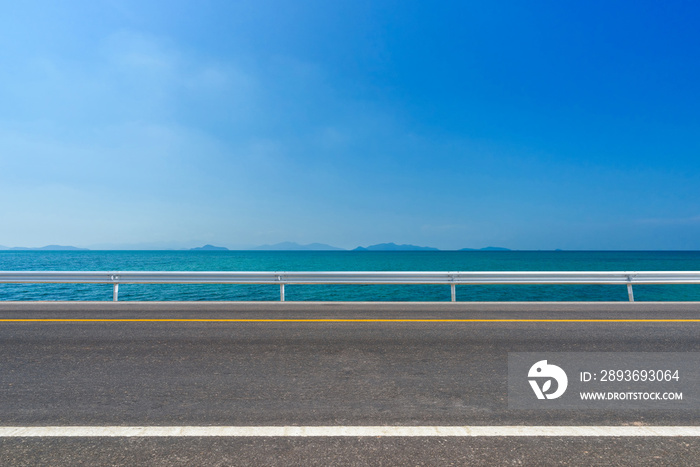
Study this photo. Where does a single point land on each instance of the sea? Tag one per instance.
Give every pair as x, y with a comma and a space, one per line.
12, 260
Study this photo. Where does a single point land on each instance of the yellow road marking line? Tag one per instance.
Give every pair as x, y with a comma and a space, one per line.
338, 320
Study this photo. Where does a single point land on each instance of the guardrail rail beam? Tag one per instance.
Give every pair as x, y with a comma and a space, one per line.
451, 278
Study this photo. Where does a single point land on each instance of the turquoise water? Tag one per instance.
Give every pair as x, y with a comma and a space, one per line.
349, 261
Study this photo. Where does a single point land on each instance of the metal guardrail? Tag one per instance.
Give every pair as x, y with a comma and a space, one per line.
453, 279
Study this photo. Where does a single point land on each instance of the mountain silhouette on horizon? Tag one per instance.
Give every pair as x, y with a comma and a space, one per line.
44, 248
208, 247
394, 247
293, 246
488, 248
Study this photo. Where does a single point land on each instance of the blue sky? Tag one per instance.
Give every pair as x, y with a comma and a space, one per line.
529, 125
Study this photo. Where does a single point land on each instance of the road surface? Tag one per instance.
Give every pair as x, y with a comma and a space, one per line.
203, 364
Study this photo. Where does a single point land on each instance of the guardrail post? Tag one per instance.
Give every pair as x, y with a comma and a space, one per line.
282, 292
453, 289
115, 287
630, 294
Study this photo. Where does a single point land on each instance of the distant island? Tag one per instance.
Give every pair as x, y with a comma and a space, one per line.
44, 248
284, 246
394, 247
292, 246
209, 248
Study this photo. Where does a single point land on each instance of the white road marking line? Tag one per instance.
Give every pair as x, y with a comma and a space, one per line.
356, 431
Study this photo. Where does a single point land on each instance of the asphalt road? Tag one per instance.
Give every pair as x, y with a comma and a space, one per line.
317, 373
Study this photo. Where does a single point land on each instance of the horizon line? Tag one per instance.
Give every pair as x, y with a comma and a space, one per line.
338, 249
